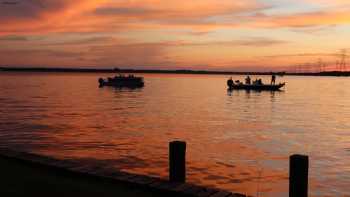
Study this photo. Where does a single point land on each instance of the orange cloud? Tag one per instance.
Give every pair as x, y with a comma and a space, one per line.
108, 51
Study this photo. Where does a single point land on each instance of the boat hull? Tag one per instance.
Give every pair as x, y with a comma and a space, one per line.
121, 82
256, 87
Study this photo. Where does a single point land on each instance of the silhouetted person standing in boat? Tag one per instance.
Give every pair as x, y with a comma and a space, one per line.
273, 79
247, 80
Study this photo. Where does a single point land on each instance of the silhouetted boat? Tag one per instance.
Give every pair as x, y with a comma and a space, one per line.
129, 81
258, 87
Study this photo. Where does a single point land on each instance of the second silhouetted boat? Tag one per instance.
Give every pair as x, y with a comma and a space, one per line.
258, 87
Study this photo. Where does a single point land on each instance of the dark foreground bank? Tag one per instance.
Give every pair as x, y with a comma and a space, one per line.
25, 174
23, 179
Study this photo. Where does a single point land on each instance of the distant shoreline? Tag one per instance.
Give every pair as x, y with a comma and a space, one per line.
95, 70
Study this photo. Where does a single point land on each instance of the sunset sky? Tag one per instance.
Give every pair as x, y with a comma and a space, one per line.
259, 35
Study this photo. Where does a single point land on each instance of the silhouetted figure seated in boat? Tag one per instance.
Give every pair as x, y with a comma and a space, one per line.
247, 80
238, 82
258, 82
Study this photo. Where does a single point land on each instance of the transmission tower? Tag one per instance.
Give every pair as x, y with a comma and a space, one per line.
341, 64
321, 66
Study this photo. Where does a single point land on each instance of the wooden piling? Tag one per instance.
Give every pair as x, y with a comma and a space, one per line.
177, 161
298, 175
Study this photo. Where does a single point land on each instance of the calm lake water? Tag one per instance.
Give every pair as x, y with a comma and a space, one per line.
239, 141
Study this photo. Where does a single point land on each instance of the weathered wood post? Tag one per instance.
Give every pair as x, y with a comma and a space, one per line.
177, 161
298, 175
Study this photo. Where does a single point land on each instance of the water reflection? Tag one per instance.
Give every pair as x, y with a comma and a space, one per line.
253, 93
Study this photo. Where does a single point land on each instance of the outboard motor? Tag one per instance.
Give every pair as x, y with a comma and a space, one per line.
230, 83
101, 81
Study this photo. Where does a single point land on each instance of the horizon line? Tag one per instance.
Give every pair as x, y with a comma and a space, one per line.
168, 71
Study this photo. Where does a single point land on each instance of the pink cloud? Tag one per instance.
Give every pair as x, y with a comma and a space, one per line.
94, 16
